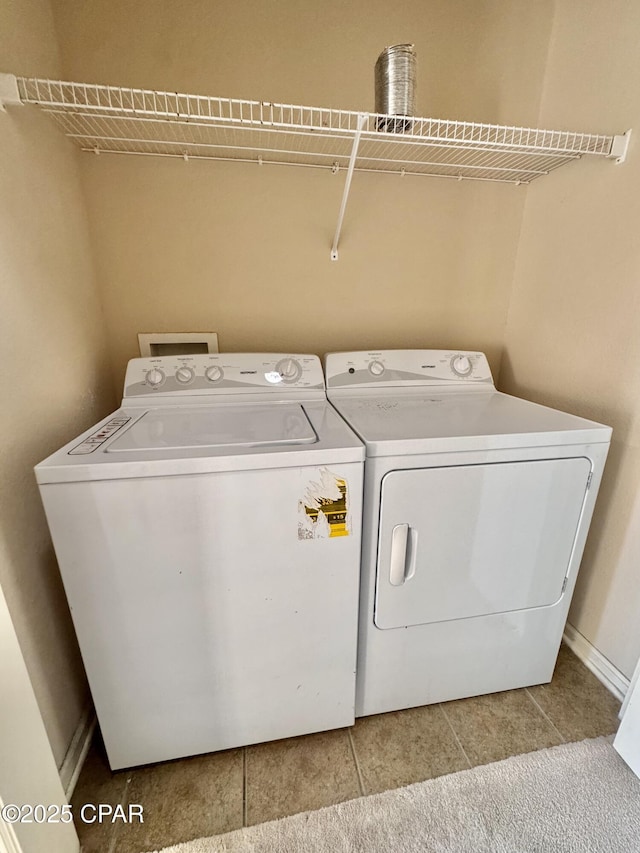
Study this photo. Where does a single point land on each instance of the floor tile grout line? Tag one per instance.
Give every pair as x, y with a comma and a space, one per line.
455, 734
244, 786
356, 762
545, 715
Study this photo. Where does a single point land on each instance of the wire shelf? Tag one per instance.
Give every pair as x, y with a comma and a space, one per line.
138, 121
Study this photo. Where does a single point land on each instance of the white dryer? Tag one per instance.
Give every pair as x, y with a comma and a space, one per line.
208, 537
477, 506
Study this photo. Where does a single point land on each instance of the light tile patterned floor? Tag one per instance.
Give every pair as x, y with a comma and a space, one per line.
215, 793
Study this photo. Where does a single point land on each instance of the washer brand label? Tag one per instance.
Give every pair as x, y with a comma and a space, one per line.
323, 511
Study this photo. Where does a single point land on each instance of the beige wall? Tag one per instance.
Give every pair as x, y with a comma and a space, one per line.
573, 333
55, 379
244, 250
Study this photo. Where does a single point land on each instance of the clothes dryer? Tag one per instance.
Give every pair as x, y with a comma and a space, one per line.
208, 537
476, 510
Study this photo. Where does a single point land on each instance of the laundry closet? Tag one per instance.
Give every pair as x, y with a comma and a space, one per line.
104, 246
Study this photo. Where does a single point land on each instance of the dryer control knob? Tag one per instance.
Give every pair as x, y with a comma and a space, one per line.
184, 375
461, 365
376, 368
213, 373
289, 369
155, 377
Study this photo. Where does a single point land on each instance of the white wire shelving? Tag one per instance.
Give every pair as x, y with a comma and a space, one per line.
168, 124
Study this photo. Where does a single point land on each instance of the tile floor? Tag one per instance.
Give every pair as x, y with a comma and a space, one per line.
215, 793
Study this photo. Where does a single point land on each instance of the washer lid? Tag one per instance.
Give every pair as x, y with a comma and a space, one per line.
273, 436
408, 421
220, 426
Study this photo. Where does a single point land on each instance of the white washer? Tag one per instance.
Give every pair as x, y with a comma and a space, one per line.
476, 511
208, 535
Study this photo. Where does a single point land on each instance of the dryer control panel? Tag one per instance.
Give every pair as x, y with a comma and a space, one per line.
215, 373
390, 368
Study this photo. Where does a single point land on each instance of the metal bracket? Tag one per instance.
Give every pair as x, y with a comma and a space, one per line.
362, 120
9, 93
620, 146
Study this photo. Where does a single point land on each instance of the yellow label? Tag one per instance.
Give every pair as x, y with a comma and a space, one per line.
324, 509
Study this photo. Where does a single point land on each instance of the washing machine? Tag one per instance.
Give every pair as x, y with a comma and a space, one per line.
476, 510
208, 537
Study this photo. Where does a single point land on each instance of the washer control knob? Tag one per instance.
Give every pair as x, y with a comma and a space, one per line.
376, 368
213, 373
184, 375
289, 369
461, 365
155, 377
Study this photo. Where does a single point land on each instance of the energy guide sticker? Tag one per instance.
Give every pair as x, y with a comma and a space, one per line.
323, 509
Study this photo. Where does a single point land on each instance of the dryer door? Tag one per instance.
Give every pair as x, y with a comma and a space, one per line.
471, 540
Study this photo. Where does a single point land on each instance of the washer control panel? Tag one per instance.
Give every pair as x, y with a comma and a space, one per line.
211, 373
406, 367
92, 442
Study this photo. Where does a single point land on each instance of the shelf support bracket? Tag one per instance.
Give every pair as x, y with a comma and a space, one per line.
620, 146
9, 93
362, 120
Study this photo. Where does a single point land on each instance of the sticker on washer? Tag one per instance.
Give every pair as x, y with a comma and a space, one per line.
323, 511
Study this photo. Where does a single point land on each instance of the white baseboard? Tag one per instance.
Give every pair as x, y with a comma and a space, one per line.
603, 669
77, 752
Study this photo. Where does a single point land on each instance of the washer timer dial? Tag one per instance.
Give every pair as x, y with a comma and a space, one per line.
376, 368
289, 369
461, 365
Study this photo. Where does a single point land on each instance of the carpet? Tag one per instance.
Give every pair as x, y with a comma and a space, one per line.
574, 798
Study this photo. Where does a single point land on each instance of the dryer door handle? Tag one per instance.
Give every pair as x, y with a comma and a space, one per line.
399, 543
